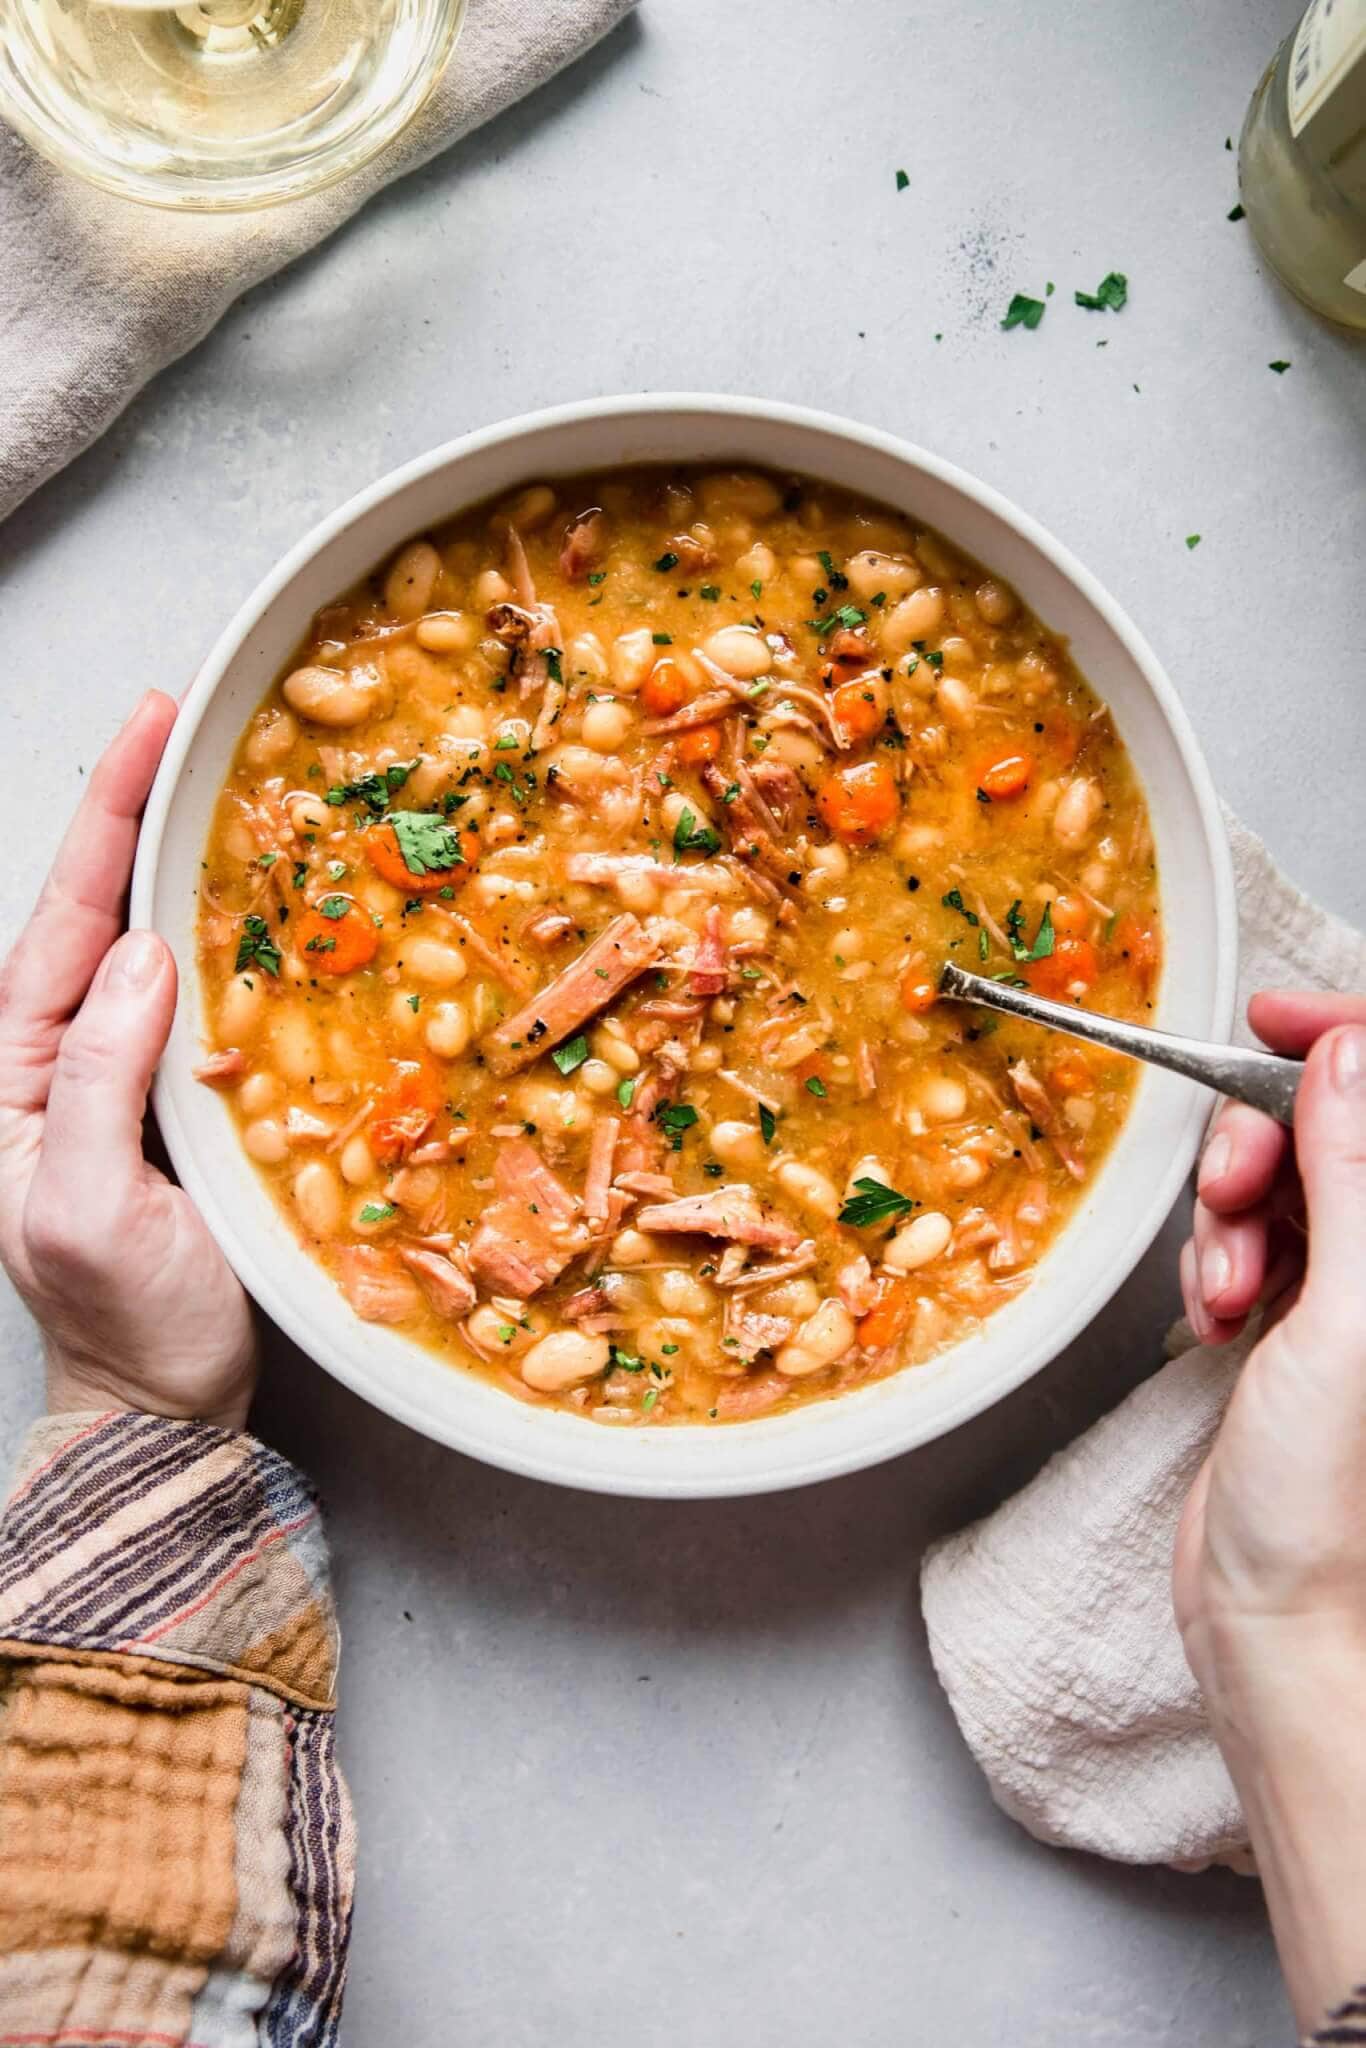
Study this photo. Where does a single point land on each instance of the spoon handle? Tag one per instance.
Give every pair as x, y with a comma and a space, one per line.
1260, 1078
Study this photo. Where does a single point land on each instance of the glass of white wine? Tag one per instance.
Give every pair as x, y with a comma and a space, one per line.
218, 105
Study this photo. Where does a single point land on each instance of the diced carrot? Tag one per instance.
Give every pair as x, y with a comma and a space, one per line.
386, 858
1073, 964
918, 991
1137, 944
1072, 917
859, 802
665, 690
337, 945
703, 743
887, 1322
858, 710
1005, 775
405, 1108
1070, 1073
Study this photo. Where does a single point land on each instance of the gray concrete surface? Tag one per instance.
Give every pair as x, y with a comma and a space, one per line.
631, 1775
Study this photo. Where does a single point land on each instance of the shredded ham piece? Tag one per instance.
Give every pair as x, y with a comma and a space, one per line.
506, 969
751, 1331
530, 1231
375, 1284
221, 1067
800, 1261
597, 1184
583, 988
585, 539
1034, 1101
444, 1285
711, 963
733, 1211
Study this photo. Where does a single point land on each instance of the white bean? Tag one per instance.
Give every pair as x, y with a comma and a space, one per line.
634, 1248
943, 1098
240, 1007
584, 657
741, 650
448, 1030
822, 1338
433, 961
411, 580
494, 1332
530, 508
490, 589
609, 1045
1078, 808
799, 1297
918, 1241
637, 892
448, 633
294, 1045
956, 701
273, 733
330, 696
798, 749
995, 602
870, 1167
318, 1198
566, 1358
914, 617
404, 1020
673, 807
871, 572
740, 491
632, 658
757, 564
309, 814
605, 725
357, 1160
808, 1186
598, 1078
257, 1094
735, 1143
265, 1141
680, 1293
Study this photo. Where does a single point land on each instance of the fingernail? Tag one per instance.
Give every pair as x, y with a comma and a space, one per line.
1349, 1059
135, 961
1216, 1270
1217, 1159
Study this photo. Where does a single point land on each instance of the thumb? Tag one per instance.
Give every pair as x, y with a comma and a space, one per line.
92, 1132
1330, 1145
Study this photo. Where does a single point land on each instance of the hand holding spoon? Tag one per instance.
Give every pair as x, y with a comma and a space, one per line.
1263, 1079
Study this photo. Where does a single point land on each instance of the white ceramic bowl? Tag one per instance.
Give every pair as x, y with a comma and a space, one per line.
1122, 1210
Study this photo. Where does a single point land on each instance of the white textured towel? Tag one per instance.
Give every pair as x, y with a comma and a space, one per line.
1050, 1622
97, 294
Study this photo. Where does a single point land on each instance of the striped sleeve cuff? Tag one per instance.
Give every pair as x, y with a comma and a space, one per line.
134, 1536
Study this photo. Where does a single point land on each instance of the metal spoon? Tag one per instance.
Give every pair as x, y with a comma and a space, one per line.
1261, 1078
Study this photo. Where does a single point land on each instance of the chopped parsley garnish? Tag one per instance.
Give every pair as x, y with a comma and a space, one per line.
675, 1118
377, 1212
983, 943
266, 860
1044, 938
1023, 311
300, 875
873, 1202
690, 837
414, 1004
756, 589
1279, 367
730, 792
626, 1361
848, 616
336, 870
711, 591
768, 1123
255, 947
506, 743
1192, 540
552, 665
954, 901
902, 181
596, 576
568, 1057
668, 560
373, 790
648, 1403
815, 1086
321, 945
334, 906
428, 844
668, 1350
626, 1093
1234, 213
833, 576
1110, 294
662, 639
506, 1332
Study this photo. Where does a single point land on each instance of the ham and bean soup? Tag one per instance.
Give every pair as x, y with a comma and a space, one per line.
571, 925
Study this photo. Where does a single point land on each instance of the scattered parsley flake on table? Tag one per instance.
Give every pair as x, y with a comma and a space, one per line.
1109, 295
1235, 213
1279, 367
1023, 311
1192, 540
902, 181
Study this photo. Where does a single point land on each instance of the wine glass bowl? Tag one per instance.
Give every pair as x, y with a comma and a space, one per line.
218, 105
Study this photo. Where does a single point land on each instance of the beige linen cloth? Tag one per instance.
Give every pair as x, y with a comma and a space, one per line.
98, 294
1050, 1622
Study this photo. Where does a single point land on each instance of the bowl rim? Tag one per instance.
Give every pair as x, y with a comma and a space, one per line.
555, 1464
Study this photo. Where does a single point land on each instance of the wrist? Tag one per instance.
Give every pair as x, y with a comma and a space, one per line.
79, 1385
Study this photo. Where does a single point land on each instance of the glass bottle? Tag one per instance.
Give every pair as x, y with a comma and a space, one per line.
1302, 161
